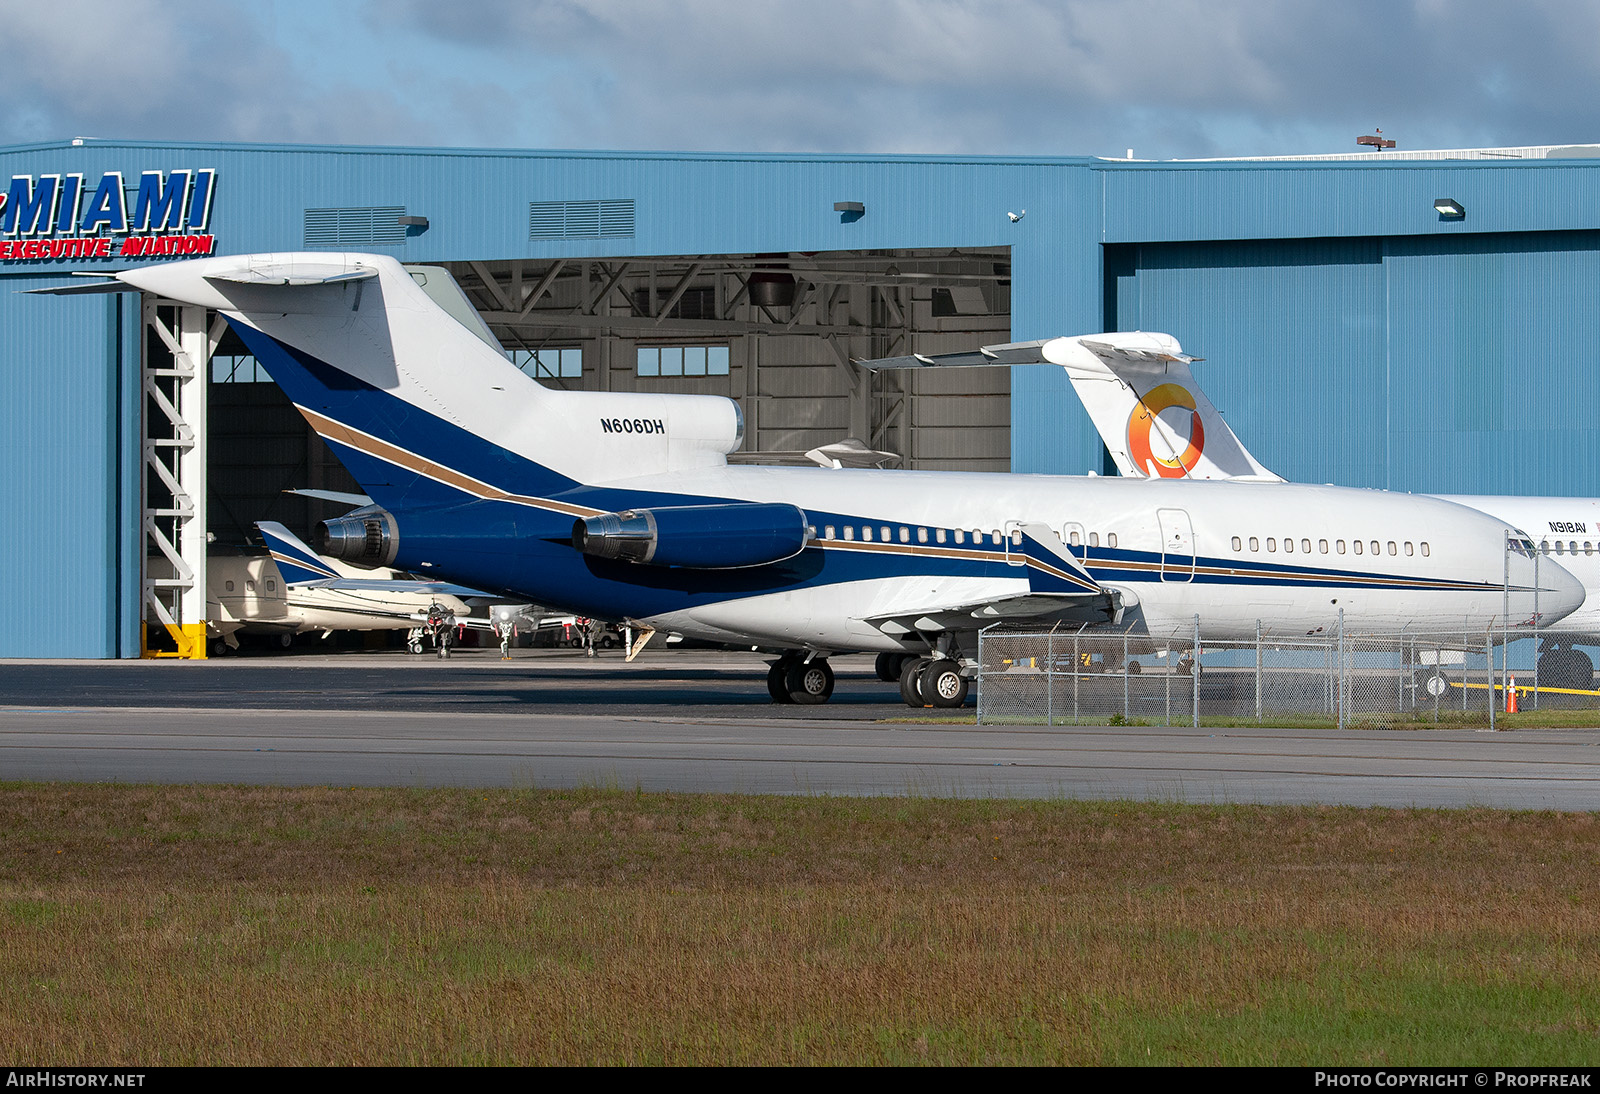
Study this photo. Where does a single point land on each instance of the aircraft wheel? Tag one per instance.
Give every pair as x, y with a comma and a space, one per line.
776, 677
911, 681
810, 682
1582, 669
888, 666
1567, 669
1431, 684
943, 684
285, 641
414, 644
217, 647
1133, 668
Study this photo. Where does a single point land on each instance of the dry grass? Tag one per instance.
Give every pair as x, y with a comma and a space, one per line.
145, 925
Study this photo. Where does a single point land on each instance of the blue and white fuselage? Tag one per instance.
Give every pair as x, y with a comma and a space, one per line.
623, 506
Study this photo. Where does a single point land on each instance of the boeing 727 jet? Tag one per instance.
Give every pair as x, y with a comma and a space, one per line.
623, 506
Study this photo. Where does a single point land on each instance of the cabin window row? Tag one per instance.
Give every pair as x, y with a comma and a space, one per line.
1567, 547
884, 533
1355, 546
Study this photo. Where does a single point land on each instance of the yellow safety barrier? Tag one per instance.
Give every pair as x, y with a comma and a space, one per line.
190, 638
1527, 689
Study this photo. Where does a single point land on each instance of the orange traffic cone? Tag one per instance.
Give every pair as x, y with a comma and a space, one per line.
1511, 697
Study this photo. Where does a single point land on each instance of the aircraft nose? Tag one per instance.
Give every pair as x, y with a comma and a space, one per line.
1560, 594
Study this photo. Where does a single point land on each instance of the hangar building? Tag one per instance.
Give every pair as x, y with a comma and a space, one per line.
1354, 332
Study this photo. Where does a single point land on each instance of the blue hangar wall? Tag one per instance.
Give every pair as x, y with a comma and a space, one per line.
1351, 335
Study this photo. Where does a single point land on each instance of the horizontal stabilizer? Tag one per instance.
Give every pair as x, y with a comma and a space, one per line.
294, 274
83, 288
1012, 353
336, 496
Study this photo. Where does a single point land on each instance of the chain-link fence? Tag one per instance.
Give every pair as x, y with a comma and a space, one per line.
1062, 678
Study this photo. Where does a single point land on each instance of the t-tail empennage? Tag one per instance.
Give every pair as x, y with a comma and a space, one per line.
1137, 388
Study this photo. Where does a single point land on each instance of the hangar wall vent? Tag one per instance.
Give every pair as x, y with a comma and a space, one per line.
580, 219
371, 226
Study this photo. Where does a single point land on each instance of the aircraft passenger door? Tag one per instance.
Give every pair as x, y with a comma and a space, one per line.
1177, 545
1015, 555
1073, 535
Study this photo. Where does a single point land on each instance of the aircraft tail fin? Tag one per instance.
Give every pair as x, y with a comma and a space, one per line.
1152, 415
420, 409
1138, 390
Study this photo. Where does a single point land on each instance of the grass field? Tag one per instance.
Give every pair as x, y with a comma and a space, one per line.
189, 925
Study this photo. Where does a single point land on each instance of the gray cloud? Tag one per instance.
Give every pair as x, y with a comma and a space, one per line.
1166, 77
1227, 77
180, 69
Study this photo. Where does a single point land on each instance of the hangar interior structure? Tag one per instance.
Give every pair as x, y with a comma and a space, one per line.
1402, 321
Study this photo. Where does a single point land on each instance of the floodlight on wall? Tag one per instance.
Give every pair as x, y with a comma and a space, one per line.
414, 226
1449, 209
849, 211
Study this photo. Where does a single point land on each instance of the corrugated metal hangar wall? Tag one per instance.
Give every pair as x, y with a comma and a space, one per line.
1352, 335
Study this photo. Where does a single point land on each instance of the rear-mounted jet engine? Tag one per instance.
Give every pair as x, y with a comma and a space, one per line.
701, 537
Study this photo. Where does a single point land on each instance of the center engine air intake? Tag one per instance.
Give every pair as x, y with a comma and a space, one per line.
701, 537
364, 537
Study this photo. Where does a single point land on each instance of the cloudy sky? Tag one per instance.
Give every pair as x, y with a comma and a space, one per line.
1167, 78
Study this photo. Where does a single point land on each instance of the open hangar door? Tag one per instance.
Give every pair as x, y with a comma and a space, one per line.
777, 333
221, 445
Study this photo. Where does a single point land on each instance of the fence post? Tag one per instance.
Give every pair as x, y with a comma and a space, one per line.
1077, 667
1194, 673
1505, 619
1124, 676
1535, 632
1258, 670
1488, 649
1167, 675
1049, 678
978, 679
1342, 671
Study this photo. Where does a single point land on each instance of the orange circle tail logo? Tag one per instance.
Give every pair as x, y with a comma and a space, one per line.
1143, 419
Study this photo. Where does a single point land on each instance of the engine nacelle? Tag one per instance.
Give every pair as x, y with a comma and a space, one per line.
365, 537
700, 537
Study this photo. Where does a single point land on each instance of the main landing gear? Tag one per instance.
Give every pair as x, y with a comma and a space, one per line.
793, 679
924, 681
1561, 666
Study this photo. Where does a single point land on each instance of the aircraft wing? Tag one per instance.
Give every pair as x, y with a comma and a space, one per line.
390, 585
1035, 608
1060, 590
